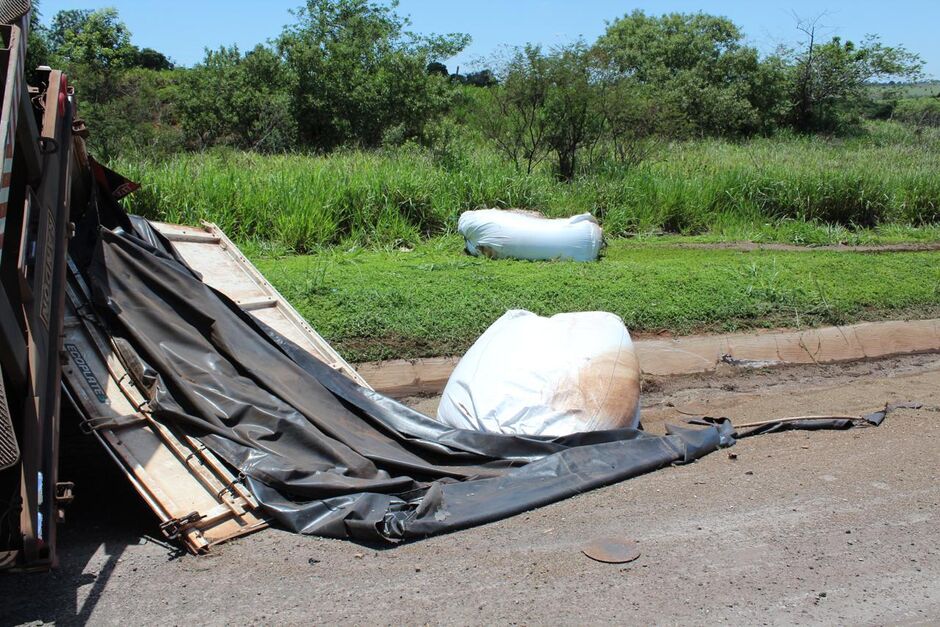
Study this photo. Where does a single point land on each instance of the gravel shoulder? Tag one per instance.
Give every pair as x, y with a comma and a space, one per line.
823, 527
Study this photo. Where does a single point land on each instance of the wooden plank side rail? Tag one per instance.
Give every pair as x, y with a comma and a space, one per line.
223, 266
195, 497
705, 353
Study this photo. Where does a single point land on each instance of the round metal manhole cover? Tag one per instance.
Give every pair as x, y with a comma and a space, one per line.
611, 550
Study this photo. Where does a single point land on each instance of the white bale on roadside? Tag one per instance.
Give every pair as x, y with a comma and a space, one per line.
501, 234
530, 375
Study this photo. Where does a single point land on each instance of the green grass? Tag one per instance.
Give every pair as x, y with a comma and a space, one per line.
791, 189
435, 300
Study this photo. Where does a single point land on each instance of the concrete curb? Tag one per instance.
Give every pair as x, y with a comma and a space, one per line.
705, 353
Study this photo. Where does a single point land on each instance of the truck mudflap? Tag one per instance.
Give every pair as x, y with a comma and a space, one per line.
197, 500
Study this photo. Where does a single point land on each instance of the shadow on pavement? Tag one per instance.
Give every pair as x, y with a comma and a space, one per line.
106, 517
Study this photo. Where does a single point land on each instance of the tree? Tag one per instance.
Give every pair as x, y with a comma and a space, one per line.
140, 113
481, 78
359, 73
241, 101
633, 114
546, 104
573, 106
151, 59
436, 67
829, 79
517, 121
38, 51
94, 47
93, 39
697, 62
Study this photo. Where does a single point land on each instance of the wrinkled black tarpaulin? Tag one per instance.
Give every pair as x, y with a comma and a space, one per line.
322, 454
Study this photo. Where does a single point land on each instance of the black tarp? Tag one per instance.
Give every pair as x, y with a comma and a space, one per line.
322, 454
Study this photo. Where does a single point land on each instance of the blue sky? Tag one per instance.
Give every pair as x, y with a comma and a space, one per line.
182, 29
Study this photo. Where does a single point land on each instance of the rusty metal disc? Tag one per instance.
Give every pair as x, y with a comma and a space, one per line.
611, 550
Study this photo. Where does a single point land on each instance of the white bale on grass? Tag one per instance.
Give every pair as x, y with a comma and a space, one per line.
530, 375
499, 234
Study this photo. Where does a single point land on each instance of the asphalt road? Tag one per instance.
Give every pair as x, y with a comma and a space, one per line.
822, 527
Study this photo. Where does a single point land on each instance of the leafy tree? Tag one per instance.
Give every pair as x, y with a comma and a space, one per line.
141, 114
96, 40
516, 120
920, 112
236, 100
546, 104
65, 21
634, 114
436, 67
696, 61
829, 80
151, 59
124, 105
38, 51
573, 106
481, 78
358, 73
94, 48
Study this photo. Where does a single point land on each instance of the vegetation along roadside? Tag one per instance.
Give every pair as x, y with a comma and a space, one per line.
434, 300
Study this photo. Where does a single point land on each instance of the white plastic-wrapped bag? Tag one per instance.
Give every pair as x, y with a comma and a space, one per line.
500, 234
530, 375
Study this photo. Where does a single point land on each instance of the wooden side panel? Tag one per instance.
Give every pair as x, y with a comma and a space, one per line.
211, 253
194, 496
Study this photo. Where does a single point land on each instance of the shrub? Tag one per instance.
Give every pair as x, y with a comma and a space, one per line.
918, 111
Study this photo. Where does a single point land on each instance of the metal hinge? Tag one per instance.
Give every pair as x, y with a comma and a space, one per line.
176, 526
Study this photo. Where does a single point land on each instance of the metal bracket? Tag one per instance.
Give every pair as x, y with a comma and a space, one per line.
176, 526
79, 128
90, 425
63, 492
64, 496
230, 487
48, 145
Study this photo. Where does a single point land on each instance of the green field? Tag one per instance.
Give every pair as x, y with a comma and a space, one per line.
907, 90
435, 300
799, 189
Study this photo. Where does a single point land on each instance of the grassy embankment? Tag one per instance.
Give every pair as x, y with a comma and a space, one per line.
435, 300
879, 187
355, 211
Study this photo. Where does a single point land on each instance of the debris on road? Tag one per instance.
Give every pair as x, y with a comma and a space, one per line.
509, 234
611, 550
530, 375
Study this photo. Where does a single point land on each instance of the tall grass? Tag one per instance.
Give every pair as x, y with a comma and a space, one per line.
889, 176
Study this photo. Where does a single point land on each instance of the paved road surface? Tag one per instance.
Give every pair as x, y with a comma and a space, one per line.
827, 527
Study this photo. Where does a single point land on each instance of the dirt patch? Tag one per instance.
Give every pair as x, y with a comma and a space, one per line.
676, 399
395, 346
864, 248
